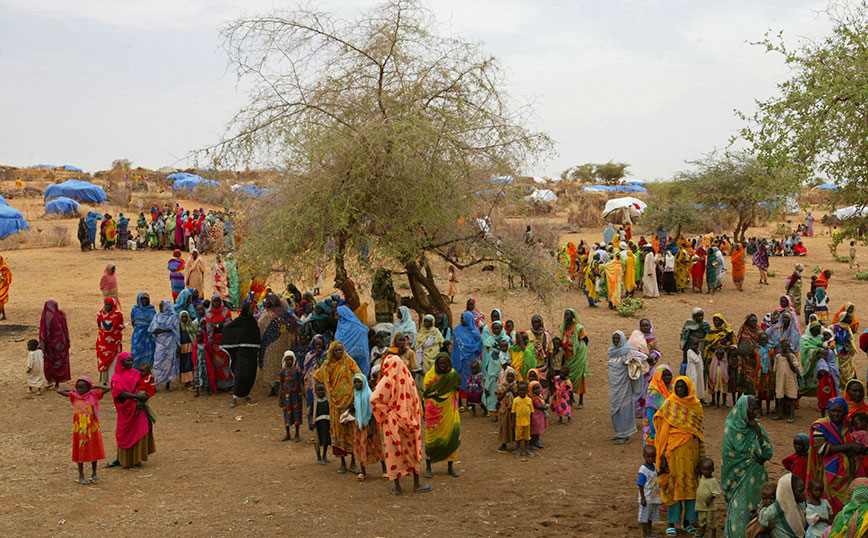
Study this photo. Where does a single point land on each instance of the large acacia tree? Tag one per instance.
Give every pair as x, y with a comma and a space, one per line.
817, 123
387, 132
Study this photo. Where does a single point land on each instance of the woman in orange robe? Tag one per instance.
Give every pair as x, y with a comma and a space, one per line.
738, 266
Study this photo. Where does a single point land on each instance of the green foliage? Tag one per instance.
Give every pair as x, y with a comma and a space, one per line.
671, 206
386, 130
590, 172
629, 306
862, 275
815, 124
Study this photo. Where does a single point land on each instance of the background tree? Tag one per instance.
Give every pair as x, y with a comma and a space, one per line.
672, 204
387, 131
121, 164
739, 182
610, 172
815, 125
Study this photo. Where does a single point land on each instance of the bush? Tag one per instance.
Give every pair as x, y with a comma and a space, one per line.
629, 306
862, 275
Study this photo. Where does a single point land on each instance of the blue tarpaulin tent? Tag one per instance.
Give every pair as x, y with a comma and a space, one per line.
61, 206
251, 190
616, 188
3, 200
828, 187
11, 221
83, 191
501, 180
44, 166
637, 183
73, 168
186, 181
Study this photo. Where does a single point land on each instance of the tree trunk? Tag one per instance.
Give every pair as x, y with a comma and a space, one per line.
427, 298
342, 281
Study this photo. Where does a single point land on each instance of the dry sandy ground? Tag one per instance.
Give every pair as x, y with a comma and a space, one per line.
222, 472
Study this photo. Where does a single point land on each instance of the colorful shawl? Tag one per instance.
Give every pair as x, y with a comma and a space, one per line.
852, 520
353, 334
336, 374
54, 342
810, 355
833, 470
406, 325
466, 346
131, 426
575, 350
442, 420
396, 406
142, 343
111, 331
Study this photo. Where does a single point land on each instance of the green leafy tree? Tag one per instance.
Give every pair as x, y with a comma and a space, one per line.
388, 132
121, 164
672, 207
610, 172
815, 124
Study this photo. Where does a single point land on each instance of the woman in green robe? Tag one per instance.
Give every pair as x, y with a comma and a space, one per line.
746, 448
575, 344
812, 344
232, 278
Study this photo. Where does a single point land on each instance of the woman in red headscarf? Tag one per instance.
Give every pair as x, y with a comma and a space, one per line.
110, 342
697, 272
54, 343
133, 433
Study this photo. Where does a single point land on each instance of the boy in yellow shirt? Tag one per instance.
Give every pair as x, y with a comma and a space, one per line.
522, 408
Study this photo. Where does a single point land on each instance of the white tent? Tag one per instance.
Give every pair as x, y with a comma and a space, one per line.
634, 206
542, 195
540, 180
850, 212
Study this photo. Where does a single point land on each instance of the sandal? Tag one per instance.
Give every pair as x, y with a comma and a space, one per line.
94, 480
83, 481
671, 531
393, 491
690, 529
424, 489
361, 477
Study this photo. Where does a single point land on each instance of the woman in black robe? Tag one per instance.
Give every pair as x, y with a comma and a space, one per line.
242, 341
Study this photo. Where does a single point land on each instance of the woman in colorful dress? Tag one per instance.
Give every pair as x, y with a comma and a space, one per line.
290, 394
337, 374
738, 266
220, 278
746, 342
492, 367
719, 336
541, 340
575, 343
54, 343
761, 261
442, 420
466, 346
277, 327
176, 273
659, 389
812, 351
313, 359
167, 337
844, 349
679, 432
133, 432
622, 388
697, 271
189, 342
794, 288
833, 453
108, 283
852, 520
746, 448
142, 343
232, 282
109, 342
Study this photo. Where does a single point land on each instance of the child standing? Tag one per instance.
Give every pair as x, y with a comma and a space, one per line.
289, 381
505, 394
695, 369
810, 306
718, 377
86, 433
320, 421
706, 492
825, 383
787, 371
35, 365
475, 387
797, 462
148, 387
649, 491
818, 512
539, 421
562, 399
367, 444
522, 407
452, 286
852, 254
556, 358
765, 386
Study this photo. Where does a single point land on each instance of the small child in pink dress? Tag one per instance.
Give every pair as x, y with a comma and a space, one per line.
538, 420
562, 400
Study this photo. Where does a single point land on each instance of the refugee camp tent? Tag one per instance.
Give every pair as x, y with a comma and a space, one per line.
187, 181
828, 187
542, 195
540, 180
850, 212
615, 188
623, 210
11, 221
61, 206
72, 168
251, 190
501, 180
83, 191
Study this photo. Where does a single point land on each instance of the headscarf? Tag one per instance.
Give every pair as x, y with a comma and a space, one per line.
739, 447
622, 348
167, 319
353, 334
326, 312
242, 331
191, 327
108, 281
444, 327
466, 341
855, 407
336, 373
217, 314
806, 441
658, 391
131, 426
406, 325
785, 502
501, 379
778, 334
90, 396
682, 413
362, 402
851, 521
181, 302
54, 336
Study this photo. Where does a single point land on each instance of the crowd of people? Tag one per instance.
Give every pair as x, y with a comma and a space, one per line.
167, 228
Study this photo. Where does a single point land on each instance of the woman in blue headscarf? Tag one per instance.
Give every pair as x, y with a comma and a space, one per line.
184, 303
90, 222
492, 366
466, 347
142, 343
166, 330
406, 325
353, 334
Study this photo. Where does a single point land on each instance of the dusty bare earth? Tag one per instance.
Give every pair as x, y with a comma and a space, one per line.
222, 472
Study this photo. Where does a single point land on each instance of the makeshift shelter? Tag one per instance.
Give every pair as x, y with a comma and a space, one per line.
850, 212
72, 168
623, 210
83, 191
540, 180
61, 206
251, 190
11, 221
828, 187
542, 195
615, 188
187, 181
501, 180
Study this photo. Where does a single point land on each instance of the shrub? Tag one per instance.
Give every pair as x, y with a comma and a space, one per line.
629, 306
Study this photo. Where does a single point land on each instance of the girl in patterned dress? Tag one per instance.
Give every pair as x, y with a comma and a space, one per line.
289, 381
86, 432
561, 401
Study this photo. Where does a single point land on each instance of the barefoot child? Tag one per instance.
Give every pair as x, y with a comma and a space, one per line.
475, 387
787, 371
706, 493
86, 433
768, 491
562, 400
290, 387
649, 491
522, 408
319, 421
35, 364
367, 445
505, 394
765, 390
818, 512
539, 421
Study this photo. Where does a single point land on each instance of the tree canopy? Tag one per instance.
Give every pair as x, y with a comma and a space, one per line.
388, 132
815, 124
590, 172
